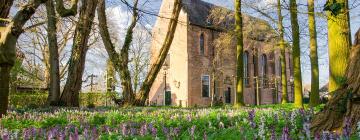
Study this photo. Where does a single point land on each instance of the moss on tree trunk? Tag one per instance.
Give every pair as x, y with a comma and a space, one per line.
298, 100
339, 43
314, 94
239, 55
284, 97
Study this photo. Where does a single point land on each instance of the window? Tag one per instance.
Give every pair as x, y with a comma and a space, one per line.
246, 68
263, 70
167, 60
202, 44
205, 85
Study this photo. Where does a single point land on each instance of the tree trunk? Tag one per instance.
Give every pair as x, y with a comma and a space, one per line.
54, 90
314, 94
345, 104
121, 60
296, 54
4, 88
239, 55
70, 95
155, 68
8, 38
284, 97
339, 43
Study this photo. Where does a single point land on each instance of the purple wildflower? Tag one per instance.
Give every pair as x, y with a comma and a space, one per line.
133, 131
285, 133
124, 129
143, 130
325, 135
317, 136
306, 127
251, 118
153, 131
192, 130
26, 135
94, 133
176, 131
61, 135
166, 131
205, 136
86, 133
75, 135
347, 129
5, 136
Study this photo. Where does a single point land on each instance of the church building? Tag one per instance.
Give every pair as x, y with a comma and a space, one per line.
198, 70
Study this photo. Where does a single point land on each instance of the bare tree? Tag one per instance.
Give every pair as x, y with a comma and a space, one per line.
70, 94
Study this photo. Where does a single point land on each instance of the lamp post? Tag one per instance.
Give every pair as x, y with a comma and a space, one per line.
165, 68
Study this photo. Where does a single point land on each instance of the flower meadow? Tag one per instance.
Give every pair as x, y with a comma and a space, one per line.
163, 123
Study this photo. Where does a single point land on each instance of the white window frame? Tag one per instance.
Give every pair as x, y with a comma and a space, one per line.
201, 78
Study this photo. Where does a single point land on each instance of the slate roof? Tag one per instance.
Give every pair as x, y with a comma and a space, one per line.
199, 11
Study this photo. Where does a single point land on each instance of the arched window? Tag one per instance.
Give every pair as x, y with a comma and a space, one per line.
246, 68
264, 70
202, 44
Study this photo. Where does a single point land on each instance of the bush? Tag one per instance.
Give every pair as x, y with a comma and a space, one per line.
38, 100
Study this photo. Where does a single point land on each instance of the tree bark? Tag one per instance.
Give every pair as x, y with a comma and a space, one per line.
345, 103
298, 101
284, 97
121, 60
4, 88
54, 90
155, 68
314, 94
339, 44
70, 95
8, 38
239, 55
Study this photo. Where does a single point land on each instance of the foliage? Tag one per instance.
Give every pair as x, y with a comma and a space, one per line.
334, 7
154, 122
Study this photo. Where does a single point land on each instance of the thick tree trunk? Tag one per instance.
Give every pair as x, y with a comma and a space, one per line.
339, 44
4, 88
5, 6
155, 68
239, 55
296, 55
70, 95
284, 97
314, 94
54, 90
8, 38
121, 60
346, 100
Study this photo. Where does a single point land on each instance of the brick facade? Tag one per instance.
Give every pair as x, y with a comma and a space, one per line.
187, 64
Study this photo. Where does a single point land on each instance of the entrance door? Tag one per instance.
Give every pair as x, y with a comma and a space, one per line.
228, 95
168, 98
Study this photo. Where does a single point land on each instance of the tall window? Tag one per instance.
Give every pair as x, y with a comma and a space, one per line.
202, 44
264, 70
246, 68
205, 85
